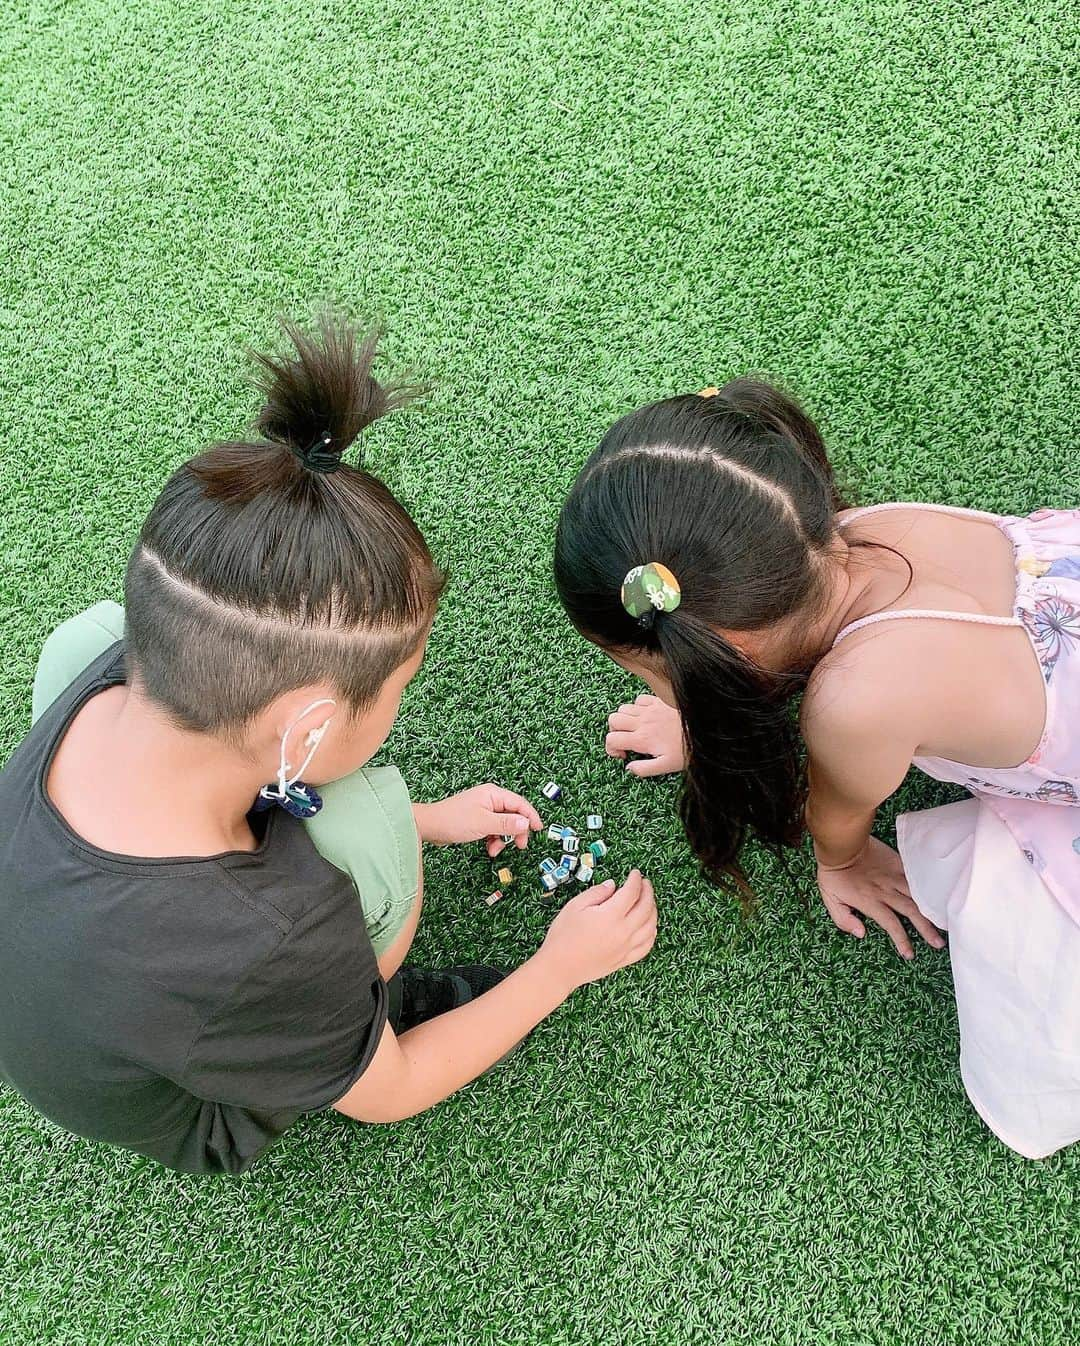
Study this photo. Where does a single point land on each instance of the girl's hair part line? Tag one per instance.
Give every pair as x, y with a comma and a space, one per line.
736, 496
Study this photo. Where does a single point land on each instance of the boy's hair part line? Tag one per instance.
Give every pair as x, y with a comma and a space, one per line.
261, 618
254, 574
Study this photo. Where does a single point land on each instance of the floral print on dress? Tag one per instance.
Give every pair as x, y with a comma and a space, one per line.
1064, 568
1054, 626
1028, 798
1049, 792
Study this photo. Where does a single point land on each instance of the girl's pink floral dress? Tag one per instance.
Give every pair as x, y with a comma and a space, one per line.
1001, 871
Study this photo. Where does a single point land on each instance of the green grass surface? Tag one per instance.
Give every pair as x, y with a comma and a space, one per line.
562, 210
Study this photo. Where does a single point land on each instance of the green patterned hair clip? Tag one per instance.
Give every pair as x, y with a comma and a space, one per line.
650, 589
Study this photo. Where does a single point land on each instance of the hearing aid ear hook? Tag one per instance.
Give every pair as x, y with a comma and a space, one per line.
315, 736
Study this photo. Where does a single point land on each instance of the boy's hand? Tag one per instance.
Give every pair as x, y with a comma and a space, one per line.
601, 930
651, 727
486, 812
877, 887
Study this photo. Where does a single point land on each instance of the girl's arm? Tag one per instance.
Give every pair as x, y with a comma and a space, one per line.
860, 752
596, 933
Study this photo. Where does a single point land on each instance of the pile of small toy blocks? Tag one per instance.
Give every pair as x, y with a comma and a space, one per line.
576, 860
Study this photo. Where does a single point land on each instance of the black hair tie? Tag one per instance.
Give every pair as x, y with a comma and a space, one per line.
647, 620
319, 457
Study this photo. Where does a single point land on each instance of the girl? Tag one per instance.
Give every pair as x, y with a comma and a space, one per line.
704, 547
186, 972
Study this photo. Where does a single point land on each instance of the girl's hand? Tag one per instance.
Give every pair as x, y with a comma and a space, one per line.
652, 727
601, 930
876, 887
486, 812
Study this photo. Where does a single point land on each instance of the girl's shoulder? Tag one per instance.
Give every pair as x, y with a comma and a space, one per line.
874, 680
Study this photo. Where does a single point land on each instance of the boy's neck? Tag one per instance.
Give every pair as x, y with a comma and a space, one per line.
169, 791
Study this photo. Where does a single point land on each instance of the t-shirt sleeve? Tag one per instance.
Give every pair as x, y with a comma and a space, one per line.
302, 1025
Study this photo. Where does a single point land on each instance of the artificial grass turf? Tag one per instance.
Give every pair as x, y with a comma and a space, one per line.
562, 211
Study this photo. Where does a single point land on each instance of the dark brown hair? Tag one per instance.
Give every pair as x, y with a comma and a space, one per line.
734, 493
255, 574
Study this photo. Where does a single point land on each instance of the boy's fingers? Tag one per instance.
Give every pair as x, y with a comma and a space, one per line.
508, 802
624, 898
509, 824
641, 915
592, 897
646, 938
645, 699
648, 766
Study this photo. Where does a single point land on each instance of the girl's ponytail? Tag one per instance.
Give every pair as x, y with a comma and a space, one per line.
744, 771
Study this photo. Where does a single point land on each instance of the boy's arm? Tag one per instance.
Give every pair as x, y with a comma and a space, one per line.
422, 1067
596, 933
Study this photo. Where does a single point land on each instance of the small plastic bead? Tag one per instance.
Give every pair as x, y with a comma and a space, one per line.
555, 832
571, 845
594, 822
548, 865
494, 897
505, 877
548, 882
507, 839
551, 790
598, 848
584, 874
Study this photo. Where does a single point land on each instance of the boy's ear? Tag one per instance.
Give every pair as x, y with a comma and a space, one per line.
301, 716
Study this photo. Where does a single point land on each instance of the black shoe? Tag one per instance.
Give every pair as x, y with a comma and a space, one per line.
417, 995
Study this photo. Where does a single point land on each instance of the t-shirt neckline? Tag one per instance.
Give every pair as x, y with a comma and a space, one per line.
102, 682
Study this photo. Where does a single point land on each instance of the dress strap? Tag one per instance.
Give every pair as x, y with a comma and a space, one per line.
933, 614
906, 614
958, 511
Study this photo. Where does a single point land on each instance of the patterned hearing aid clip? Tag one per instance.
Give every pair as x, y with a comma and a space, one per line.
289, 792
650, 589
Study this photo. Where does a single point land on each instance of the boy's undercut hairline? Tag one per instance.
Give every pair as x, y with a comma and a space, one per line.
269, 619
163, 682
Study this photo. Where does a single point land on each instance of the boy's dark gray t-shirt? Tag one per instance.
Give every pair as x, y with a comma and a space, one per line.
188, 1009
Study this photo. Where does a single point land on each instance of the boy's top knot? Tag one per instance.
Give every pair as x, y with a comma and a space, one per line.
320, 457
